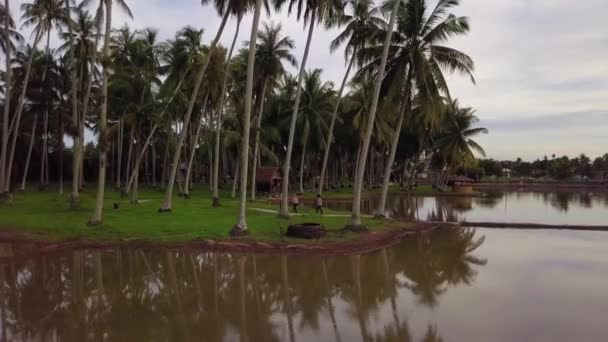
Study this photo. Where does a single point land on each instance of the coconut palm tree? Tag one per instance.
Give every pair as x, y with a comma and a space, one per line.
96, 218
238, 8
6, 45
43, 16
167, 202
220, 113
72, 67
417, 61
360, 169
317, 104
313, 12
361, 26
455, 144
272, 50
240, 228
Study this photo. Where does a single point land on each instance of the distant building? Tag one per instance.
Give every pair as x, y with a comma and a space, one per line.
268, 179
599, 175
506, 173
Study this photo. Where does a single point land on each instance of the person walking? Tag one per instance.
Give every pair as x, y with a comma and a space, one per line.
295, 201
319, 204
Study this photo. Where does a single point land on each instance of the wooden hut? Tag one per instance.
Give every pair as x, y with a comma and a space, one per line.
461, 184
268, 179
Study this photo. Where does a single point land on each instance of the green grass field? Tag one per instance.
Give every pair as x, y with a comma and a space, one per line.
47, 214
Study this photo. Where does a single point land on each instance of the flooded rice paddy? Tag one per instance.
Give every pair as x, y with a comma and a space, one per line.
555, 208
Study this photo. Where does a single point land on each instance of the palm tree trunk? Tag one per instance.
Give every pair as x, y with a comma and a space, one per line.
29, 152
356, 213
256, 141
220, 113
153, 165
96, 219
334, 115
410, 182
74, 90
163, 175
44, 155
167, 203
234, 181
140, 155
388, 168
193, 150
7, 100
284, 212
60, 157
135, 192
302, 159
79, 149
241, 226
16, 121
128, 169
119, 152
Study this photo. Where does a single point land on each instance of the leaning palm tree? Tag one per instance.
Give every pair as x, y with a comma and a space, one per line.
220, 113
272, 50
313, 12
361, 27
103, 133
355, 223
43, 16
417, 62
167, 202
240, 228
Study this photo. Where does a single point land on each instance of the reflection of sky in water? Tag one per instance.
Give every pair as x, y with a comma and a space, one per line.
537, 286
575, 208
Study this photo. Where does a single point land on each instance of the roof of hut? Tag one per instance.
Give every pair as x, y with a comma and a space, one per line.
460, 179
267, 174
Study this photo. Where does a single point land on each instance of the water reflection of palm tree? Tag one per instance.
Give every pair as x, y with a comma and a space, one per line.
329, 296
243, 310
490, 200
287, 298
178, 295
433, 261
431, 335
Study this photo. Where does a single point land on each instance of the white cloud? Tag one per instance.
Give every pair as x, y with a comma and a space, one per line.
534, 59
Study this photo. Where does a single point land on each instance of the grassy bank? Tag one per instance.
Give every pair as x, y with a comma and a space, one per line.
48, 214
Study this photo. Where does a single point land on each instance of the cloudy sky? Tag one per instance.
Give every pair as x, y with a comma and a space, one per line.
541, 67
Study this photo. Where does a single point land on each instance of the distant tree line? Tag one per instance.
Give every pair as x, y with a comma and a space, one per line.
580, 168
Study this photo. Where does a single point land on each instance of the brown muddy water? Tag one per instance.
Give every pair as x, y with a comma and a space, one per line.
448, 285
555, 208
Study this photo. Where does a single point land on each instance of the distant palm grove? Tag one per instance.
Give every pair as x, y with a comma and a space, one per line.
169, 114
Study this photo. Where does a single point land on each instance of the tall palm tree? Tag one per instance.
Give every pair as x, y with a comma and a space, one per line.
240, 228
73, 72
238, 8
43, 15
104, 137
272, 50
361, 27
220, 113
167, 202
417, 61
355, 223
313, 12
6, 47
